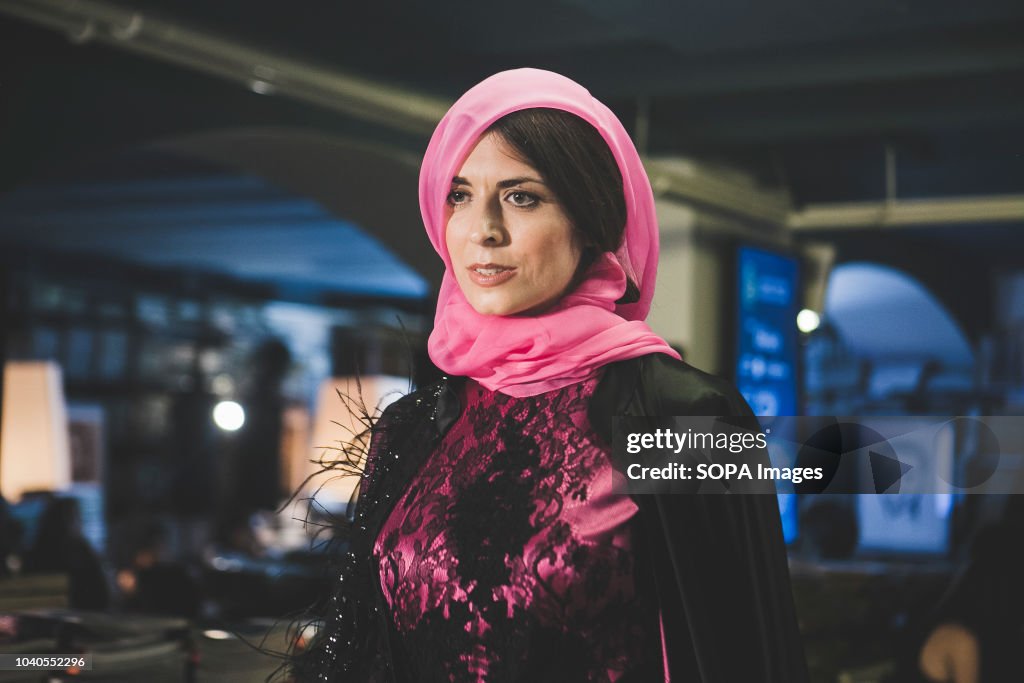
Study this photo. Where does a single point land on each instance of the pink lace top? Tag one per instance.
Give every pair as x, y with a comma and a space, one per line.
509, 559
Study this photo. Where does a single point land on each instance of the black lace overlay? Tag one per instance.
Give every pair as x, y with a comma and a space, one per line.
508, 558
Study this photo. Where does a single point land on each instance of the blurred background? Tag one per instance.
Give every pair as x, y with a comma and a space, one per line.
209, 225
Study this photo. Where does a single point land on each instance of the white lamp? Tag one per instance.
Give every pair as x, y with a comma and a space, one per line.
337, 423
297, 425
35, 453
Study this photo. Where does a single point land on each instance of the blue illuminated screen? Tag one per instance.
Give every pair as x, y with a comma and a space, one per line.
766, 328
913, 521
767, 345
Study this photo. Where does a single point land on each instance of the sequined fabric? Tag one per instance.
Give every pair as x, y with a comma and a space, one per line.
509, 559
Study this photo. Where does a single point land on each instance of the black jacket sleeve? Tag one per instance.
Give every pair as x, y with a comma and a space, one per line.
719, 559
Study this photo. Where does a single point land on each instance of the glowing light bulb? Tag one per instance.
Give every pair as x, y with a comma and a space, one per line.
807, 321
229, 416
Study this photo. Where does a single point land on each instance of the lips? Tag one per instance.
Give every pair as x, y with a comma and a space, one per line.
490, 274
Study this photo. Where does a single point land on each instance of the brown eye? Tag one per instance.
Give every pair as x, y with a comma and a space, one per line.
521, 199
457, 197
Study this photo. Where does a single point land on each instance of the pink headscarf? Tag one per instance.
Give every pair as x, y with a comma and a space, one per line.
586, 329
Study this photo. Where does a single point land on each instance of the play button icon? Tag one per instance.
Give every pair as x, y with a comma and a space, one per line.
887, 472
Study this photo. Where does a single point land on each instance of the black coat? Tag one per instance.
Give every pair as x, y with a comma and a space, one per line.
719, 561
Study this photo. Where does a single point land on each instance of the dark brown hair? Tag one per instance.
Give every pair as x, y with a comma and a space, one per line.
578, 167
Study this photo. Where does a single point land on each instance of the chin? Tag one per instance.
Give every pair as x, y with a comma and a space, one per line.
526, 310
492, 309
489, 305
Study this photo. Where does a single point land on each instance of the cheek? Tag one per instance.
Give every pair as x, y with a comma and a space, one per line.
569, 266
560, 256
453, 238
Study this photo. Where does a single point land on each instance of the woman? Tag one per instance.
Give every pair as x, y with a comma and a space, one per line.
488, 544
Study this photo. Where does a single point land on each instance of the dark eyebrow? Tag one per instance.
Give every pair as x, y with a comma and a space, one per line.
511, 182
519, 181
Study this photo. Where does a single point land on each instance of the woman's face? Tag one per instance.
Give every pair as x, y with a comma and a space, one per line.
512, 246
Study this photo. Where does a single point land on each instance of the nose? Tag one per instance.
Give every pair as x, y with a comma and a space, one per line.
489, 229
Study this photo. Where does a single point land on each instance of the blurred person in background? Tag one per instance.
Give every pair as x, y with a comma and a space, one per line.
976, 633
150, 584
60, 548
10, 539
235, 535
254, 480
487, 543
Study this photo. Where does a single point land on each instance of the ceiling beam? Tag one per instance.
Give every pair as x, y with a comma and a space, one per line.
726, 191
848, 65
906, 213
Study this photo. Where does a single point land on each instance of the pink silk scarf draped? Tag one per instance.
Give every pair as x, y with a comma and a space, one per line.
528, 355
